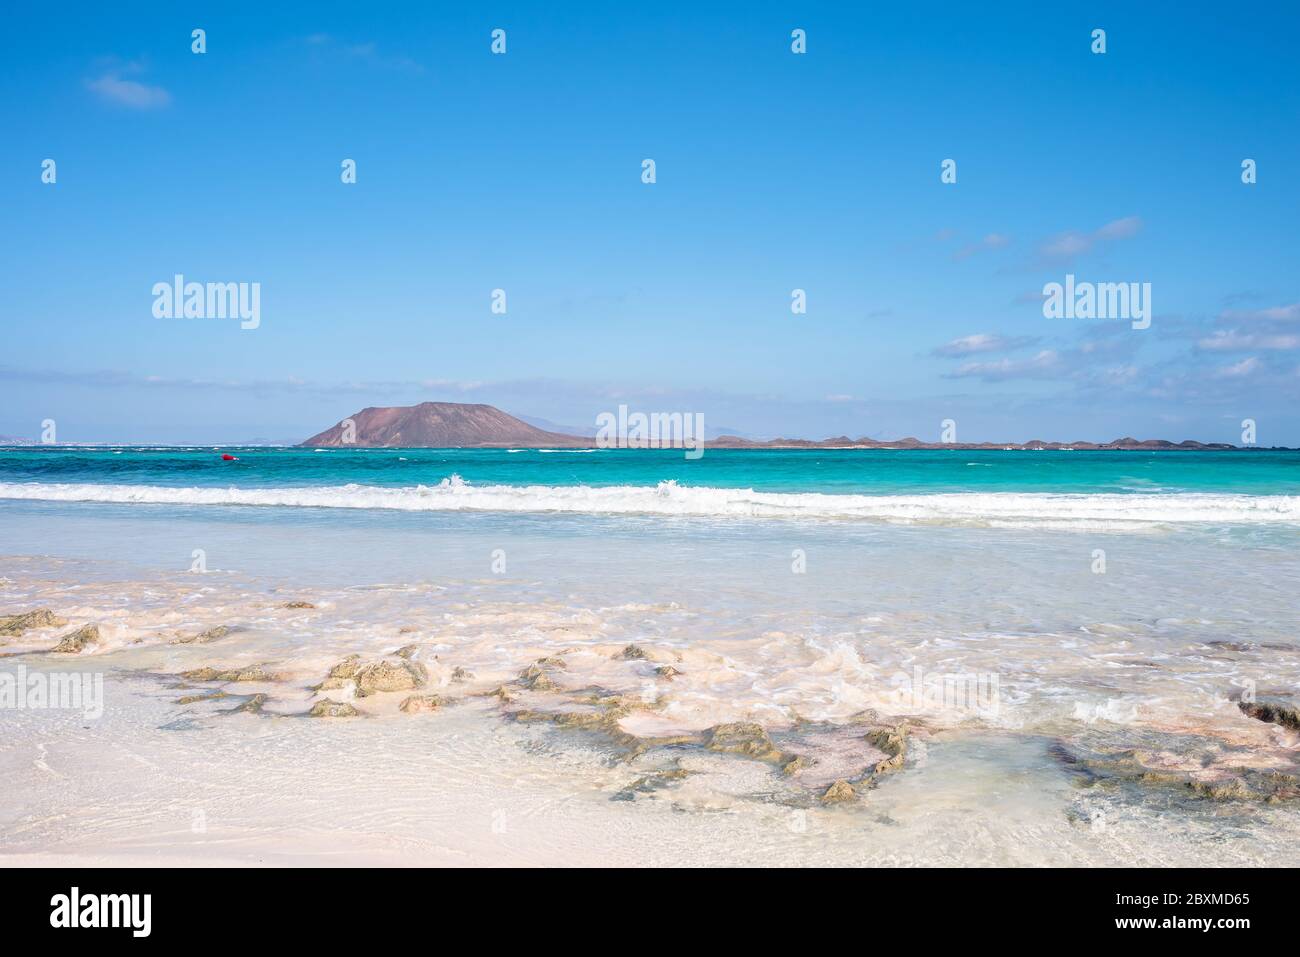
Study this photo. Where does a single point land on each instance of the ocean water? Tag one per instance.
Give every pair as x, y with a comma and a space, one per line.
1087, 600
1084, 489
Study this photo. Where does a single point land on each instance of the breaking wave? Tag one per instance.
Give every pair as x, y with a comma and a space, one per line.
993, 509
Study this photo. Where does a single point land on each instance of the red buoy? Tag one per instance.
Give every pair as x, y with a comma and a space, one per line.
227, 457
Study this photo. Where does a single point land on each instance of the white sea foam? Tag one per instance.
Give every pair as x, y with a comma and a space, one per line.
995, 509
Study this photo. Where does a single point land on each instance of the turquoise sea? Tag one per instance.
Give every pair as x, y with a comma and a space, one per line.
789, 471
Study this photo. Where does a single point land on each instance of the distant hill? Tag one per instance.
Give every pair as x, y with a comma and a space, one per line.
442, 425
461, 425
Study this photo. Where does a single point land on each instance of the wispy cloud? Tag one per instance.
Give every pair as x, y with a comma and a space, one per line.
112, 86
367, 52
1289, 313
991, 241
980, 343
1064, 247
1238, 370
1045, 365
1231, 340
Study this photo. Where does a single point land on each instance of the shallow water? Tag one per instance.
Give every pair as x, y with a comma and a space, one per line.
1070, 652
799, 625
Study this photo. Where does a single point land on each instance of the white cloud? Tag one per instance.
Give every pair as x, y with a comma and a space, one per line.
979, 343
1046, 364
129, 93
1289, 313
1068, 245
1238, 370
1233, 341
991, 241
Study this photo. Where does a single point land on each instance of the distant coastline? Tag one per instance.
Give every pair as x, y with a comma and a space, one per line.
454, 425
462, 425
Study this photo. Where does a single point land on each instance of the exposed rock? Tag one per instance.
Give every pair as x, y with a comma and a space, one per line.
542, 682
459, 674
75, 642
407, 630
249, 673
536, 678
601, 714
327, 708
1273, 710
252, 705
420, 703
341, 675
382, 676
649, 783
747, 738
14, 625
838, 793
407, 651
631, 653
893, 741
667, 671
206, 696
297, 604
795, 765
1199, 767
203, 637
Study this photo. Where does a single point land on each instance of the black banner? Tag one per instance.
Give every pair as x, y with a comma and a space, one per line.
344, 905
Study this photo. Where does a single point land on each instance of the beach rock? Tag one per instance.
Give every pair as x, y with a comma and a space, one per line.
893, 741
838, 793
1273, 710
74, 643
667, 671
631, 653
203, 637
383, 676
420, 703
249, 673
327, 708
206, 696
649, 783
747, 738
459, 674
1196, 767
14, 625
407, 651
252, 705
407, 630
541, 682
341, 675
297, 604
535, 677
795, 765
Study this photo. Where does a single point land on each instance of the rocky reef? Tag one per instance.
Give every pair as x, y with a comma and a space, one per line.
14, 626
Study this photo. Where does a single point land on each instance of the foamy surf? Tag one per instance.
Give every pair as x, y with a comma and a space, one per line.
991, 509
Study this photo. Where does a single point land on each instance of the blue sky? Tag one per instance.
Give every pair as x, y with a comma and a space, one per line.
775, 171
